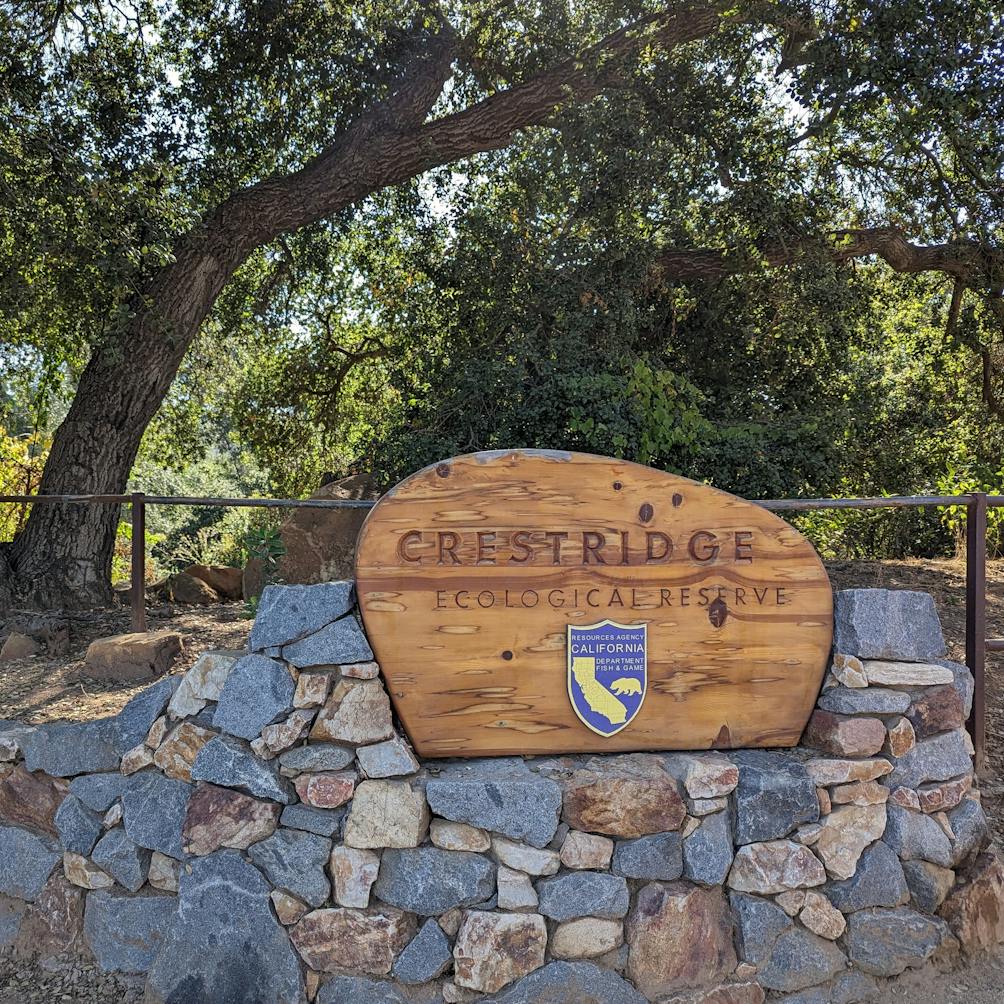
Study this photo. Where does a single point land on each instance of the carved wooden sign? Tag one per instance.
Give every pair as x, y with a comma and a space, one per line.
542, 602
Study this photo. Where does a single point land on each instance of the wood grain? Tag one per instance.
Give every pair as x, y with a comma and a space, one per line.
469, 571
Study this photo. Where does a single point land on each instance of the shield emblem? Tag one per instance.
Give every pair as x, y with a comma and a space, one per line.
607, 673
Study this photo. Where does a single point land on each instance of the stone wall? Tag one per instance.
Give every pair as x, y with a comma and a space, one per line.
259, 831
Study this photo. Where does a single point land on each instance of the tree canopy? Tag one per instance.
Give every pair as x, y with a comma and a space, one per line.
756, 243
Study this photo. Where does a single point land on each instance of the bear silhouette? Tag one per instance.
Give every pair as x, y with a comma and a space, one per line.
626, 685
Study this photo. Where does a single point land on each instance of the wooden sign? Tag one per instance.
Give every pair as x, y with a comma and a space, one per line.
543, 602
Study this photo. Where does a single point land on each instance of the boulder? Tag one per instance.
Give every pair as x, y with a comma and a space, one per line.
184, 588
915, 836
321, 543
504, 798
866, 701
937, 709
939, 758
929, 884
326, 791
391, 758
221, 817
845, 833
287, 907
759, 923
971, 831
358, 990
129, 657
585, 851
326, 822
515, 890
885, 942
586, 938
99, 791
775, 867
222, 579
224, 943
844, 735
18, 646
315, 756
203, 682
821, 917
522, 857
429, 881
460, 837
288, 613
703, 775
364, 941
78, 826
132, 724
680, 936
832, 771
125, 933
176, 755
775, 794
493, 949
894, 624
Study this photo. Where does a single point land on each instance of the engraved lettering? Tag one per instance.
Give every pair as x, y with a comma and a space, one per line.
744, 549
521, 547
703, 546
448, 544
411, 537
658, 546
486, 547
591, 544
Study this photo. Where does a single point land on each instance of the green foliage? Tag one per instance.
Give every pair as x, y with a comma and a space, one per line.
264, 546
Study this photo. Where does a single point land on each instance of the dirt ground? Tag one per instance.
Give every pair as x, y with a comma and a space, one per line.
43, 688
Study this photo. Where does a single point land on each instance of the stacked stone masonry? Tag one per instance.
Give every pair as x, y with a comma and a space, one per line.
260, 831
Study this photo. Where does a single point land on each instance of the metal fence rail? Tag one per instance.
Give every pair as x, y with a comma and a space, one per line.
976, 504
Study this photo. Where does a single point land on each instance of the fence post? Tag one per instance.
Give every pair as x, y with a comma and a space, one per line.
976, 618
137, 591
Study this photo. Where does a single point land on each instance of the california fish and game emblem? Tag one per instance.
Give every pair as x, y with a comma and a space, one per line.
607, 673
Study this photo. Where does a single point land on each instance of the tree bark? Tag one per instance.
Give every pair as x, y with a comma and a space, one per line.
62, 558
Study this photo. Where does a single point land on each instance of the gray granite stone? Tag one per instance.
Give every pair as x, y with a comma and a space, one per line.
126, 932
12, 913
853, 987
26, 861
658, 856
927, 885
799, 960
316, 756
583, 894
78, 826
864, 701
230, 763
917, 836
341, 642
759, 923
391, 758
963, 683
224, 945
570, 983
326, 822
359, 990
505, 798
258, 692
287, 613
427, 880
971, 829
123, 859
892, 624
154, 810
427, 955
133, 722
99, 791
885, 942
878, 881
709, 850
294, 860
64, 749
936, 759
774, 796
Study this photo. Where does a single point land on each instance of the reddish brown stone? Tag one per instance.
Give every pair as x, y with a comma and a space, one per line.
727, 993
843, 735
494, 949
326, 791
975, 911
633, 797
222, 578
944, 796
52, 924
939, 710
136, 656
221, 817
31, 800
361, 940
680, 937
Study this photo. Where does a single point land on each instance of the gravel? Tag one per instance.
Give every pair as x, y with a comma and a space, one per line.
65, 980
